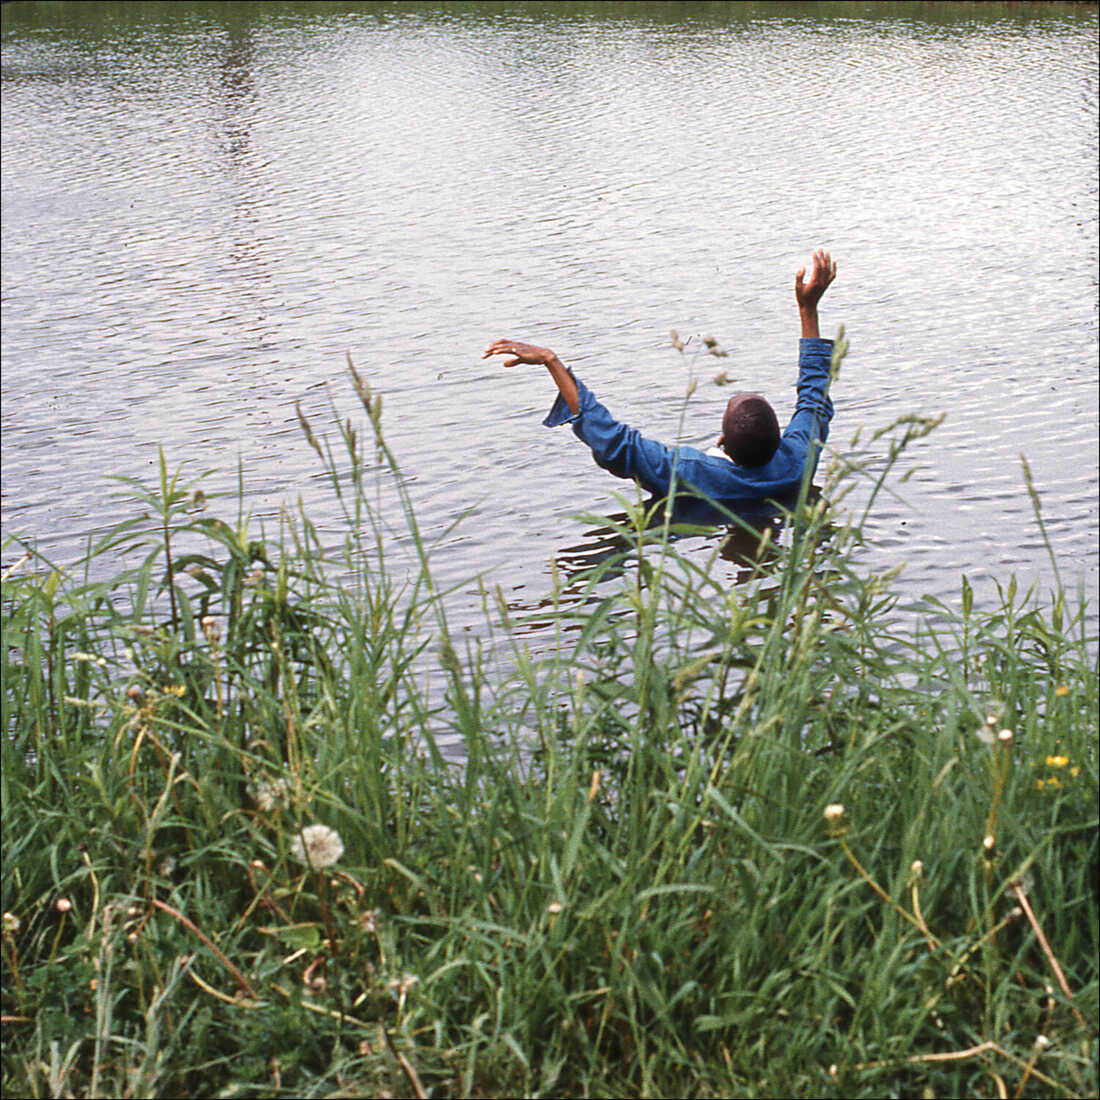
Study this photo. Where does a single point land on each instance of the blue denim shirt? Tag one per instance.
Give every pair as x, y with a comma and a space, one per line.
626, 453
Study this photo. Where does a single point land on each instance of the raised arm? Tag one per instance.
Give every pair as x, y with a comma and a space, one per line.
536, 356
809, 293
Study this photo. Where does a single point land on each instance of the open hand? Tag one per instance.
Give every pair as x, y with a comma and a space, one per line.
524, 353
824, 272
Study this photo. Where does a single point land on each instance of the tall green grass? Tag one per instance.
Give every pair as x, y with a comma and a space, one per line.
780, 839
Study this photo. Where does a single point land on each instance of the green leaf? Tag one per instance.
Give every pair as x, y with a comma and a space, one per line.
297, 936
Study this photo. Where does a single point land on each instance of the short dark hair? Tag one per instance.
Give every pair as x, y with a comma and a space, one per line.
750, 430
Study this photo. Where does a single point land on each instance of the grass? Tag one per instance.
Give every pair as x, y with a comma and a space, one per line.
784, 839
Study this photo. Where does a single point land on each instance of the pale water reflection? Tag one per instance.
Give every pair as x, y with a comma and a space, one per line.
206, 206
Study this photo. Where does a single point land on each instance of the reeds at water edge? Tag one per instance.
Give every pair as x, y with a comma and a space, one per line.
778, 838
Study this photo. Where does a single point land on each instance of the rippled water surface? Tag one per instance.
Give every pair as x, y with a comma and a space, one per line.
205, 207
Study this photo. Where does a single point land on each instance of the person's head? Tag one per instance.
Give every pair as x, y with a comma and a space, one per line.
750, 430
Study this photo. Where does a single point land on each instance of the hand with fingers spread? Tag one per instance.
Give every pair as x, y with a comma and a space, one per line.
533, 355
809, 292
524, 353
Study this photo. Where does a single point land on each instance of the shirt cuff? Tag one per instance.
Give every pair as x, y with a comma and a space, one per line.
559, 412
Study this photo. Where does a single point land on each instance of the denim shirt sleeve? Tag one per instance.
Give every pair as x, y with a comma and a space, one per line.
625, 452
813, 410
617, 447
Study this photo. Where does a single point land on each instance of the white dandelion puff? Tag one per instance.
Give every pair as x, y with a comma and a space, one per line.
317, 846
269, 794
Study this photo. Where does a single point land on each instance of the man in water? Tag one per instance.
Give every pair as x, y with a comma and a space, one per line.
752, 461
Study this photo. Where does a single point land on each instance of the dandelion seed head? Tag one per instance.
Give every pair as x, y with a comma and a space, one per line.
834, 812
1042, 1042
268, 794
1022, 884
402, 984
1005, 736
317, 846
554, 908
63, 905
989, 843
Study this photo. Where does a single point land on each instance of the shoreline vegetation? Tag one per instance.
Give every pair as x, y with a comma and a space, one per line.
786, 838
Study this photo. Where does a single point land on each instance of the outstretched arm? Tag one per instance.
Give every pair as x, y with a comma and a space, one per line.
809, 293
536, 356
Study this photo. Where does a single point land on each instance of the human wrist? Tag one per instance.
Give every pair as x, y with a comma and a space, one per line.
808, 317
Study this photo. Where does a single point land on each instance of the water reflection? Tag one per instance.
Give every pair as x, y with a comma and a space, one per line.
748, 541
207, 205
238, 92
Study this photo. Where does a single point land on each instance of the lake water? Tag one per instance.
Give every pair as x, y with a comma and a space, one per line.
207, 206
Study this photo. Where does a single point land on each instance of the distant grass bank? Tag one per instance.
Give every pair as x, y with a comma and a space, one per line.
777, 840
